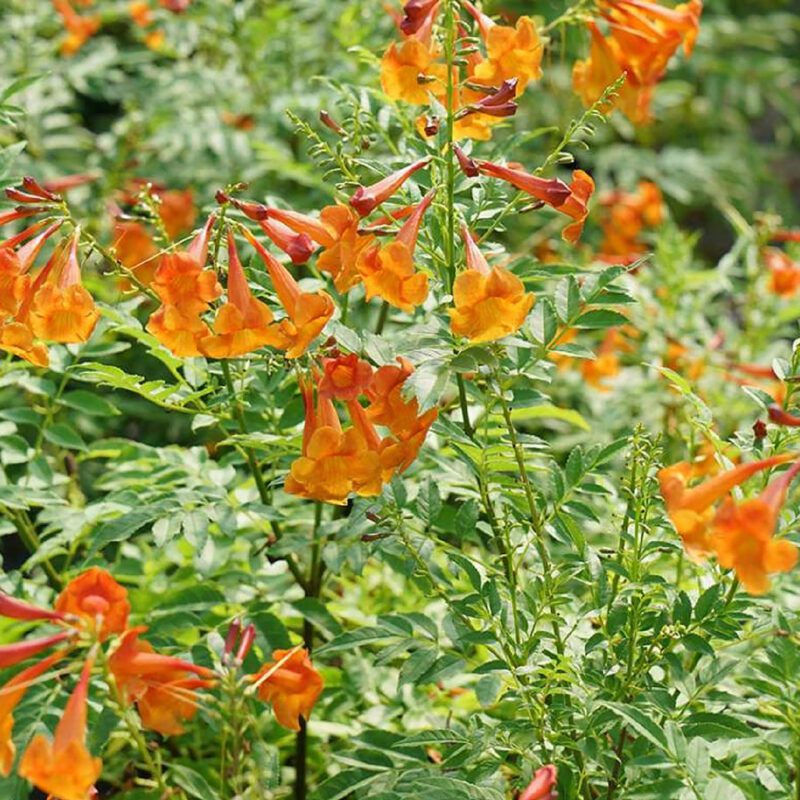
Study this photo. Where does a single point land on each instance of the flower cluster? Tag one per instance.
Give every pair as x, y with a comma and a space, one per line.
740, 534
336, 461
643, 36
413, 71
90, 618
45, 305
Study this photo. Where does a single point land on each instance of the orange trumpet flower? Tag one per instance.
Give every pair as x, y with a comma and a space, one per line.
243, 324
510, 52
743, 536
98, 601
334, 462
307, 313
367, 198
79, 28
784, 273
490, 302
388, 272
181, 280
62, 310
418, 14
344, 377
340, 257
64, 767
292, 684
410, 72
691, 511
10, 695
160, 685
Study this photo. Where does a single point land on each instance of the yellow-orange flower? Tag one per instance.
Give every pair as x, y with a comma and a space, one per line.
334, 462
344, 377
510, 52
181, 281
691, 510
164, 688
490, 302
10, 695
743, 536
409, 72
180, 333
98, 601
134, 247
62, 310
18, 339
388, 272
140, 12
64, 767
243, 324
291, 684
577, 205
307, 313
339, 258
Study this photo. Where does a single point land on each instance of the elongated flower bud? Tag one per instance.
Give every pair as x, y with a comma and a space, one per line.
367, 198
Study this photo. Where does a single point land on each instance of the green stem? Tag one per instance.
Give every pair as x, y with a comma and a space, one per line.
449, 55
31, 540
462, 399
536, 520
383, 315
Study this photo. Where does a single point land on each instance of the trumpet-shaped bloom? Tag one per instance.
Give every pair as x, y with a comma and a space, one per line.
17, 338
592, 76
743, 536
243, 324
10, 695
577, 205
389, 408
164, 688
409, 72
64, 767
291, 684
136, 250
182, 333
388, 272
307, 313
98, 601
543, 785
510, 52
61, 309
490, 302
334, 462
367, 198
344, 377
180, 281
340, 257
691, 510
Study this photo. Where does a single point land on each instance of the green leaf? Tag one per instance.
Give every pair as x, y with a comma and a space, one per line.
89, 403
600, 318
640, 722
193, 783
62, 435
717, 726
547, 411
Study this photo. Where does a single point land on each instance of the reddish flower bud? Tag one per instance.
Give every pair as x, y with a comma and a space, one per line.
552, 191
760, 429
431, 125
32, 186
542, 787
329, 122
233, 636
248, 637
11, 654
298, 246
417, 14
468, 165
367, 198
781, 417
